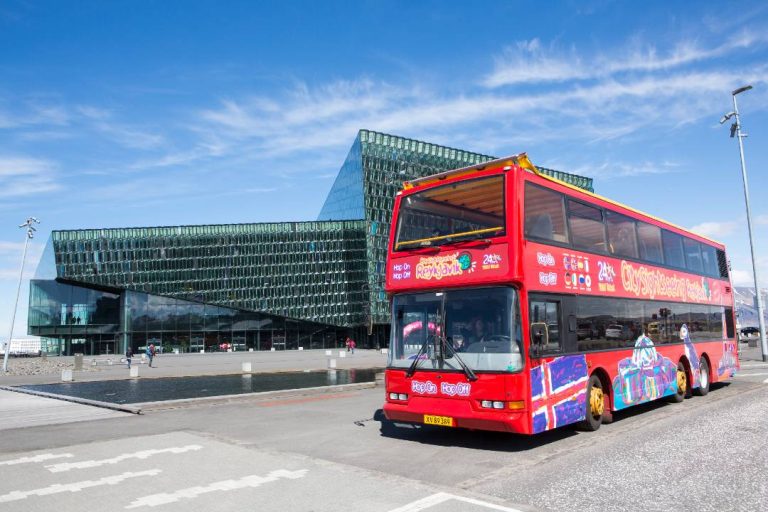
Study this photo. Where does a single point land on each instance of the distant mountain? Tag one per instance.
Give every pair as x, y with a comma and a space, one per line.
746, 312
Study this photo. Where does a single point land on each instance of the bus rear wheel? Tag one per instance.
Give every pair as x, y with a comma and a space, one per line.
595, 405
681, 384
703, 388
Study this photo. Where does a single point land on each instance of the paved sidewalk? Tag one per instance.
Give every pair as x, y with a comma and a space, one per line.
185, 365
19, 410
747, 353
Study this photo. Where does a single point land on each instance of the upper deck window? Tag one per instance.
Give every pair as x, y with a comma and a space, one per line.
673, 249
459, 211
586, 226
544, 214
621, 235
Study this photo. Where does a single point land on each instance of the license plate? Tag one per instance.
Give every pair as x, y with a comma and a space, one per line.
443, 421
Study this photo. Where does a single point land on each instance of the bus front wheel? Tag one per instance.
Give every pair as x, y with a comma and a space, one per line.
595, 405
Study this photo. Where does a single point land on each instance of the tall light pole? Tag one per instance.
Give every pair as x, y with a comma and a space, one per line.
30, 225
736, 131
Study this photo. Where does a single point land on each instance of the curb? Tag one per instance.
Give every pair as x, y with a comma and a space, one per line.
83, 401
244, 397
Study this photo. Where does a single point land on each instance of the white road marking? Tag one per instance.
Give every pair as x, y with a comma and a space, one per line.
37, 458
144, 454
75, 486
442, 497
154, 500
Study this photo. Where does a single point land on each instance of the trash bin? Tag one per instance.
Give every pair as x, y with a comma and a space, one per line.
78, 362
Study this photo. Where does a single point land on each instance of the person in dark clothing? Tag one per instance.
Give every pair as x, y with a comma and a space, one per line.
128, 356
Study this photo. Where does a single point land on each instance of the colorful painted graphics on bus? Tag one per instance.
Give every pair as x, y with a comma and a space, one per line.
565, 270
558, 392
645, 375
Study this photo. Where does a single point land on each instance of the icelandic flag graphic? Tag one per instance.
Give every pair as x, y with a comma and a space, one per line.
559, 392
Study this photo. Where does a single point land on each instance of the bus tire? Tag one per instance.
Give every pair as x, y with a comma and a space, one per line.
681, 383
595, 405
703, 388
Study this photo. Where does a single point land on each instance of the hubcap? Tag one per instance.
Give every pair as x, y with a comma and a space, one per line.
682, 381
596, 401
704, 377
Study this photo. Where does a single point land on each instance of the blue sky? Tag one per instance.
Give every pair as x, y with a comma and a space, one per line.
134, 113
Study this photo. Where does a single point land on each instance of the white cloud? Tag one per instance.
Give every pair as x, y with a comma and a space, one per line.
742, 278
22, 176
532, 62
716, 229
761, 219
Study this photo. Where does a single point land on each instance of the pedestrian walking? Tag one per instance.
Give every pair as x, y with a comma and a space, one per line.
150, 353
128, 356
348, 344
351, 345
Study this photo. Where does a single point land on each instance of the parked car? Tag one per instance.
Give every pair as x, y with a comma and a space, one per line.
617, 332
586, 331
748, 333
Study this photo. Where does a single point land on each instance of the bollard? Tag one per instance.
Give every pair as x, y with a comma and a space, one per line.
78, 362
342, 353
301, 348
250, 350
332, 363
93, 362
134, 372
202, 351
66, 376
109, 362
384, 351
247, 367
272, 349
176, 351
143, 357
328, 352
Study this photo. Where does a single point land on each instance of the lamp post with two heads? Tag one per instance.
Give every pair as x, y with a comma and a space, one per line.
30, 226
736, 132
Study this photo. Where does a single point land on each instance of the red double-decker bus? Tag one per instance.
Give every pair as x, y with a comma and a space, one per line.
521, 303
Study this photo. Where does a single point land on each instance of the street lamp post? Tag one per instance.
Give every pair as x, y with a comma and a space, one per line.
736, 131
29, 224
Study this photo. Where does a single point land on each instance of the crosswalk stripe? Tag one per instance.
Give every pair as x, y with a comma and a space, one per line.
442, 497
75, 486
143, 454
163, 498
36, 458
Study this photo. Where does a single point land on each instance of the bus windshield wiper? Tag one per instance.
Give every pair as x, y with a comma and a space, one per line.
467, 370
415, 363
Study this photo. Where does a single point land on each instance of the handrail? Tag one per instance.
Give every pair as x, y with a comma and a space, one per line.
443, 237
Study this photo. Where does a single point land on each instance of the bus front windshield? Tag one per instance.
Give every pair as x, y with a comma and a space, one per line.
478, 327
448, 213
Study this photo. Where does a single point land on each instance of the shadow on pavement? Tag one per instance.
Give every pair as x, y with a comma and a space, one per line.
502, 441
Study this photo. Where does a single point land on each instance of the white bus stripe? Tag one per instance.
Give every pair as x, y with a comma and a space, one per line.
163, 498
75, 486
144, 454
442, 497
37, 458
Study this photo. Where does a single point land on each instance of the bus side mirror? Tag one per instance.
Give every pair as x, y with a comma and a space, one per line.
539, 337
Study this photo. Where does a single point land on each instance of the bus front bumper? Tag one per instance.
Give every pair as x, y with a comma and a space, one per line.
463, 414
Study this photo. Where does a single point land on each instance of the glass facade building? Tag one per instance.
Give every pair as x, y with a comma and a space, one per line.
240, 286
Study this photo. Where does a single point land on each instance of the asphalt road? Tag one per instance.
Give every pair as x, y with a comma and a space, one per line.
335, 452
